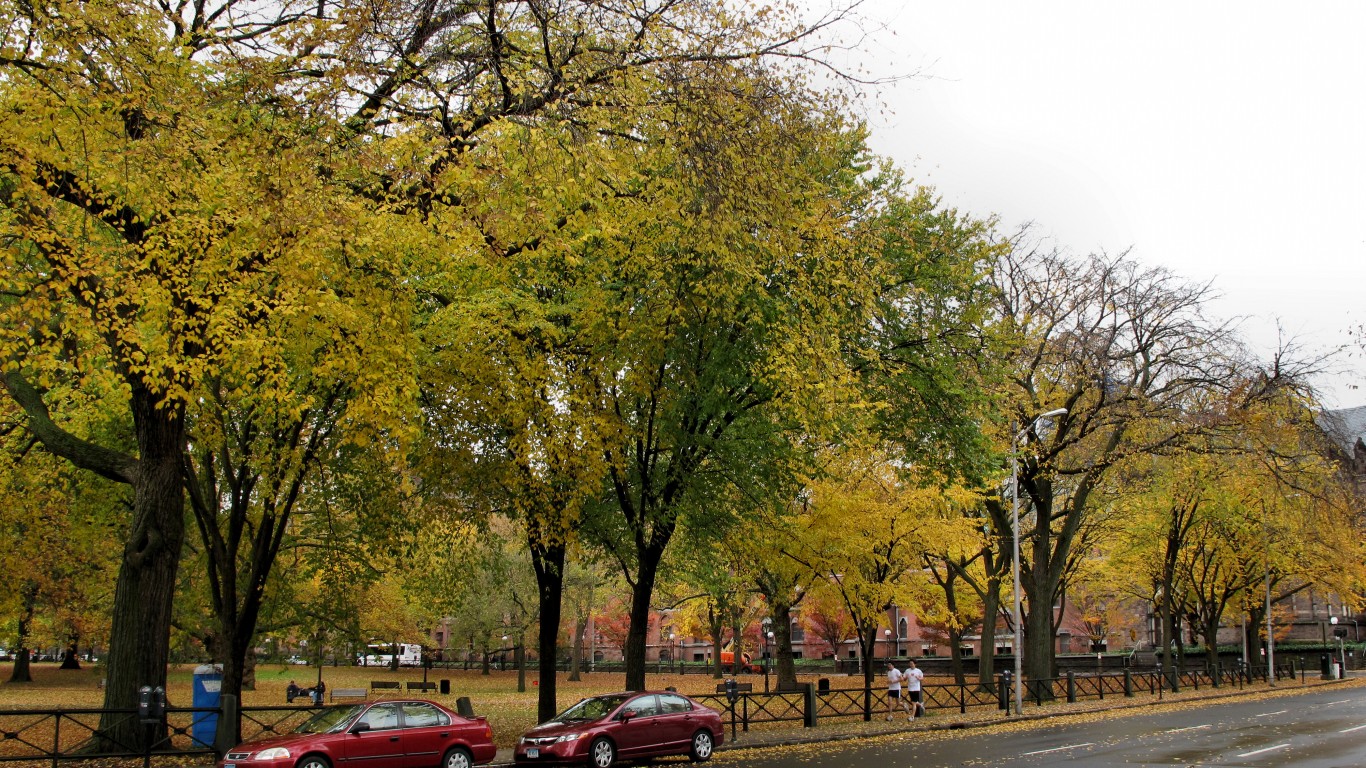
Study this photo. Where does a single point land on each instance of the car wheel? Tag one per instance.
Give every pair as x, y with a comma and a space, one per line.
602, 753
314, 761
457, 758
701, 746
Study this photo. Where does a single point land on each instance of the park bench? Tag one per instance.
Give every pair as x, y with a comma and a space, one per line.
386, 685
422, 686
349, 693
739, 687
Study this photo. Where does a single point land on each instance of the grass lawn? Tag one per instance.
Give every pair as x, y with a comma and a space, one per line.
494, 695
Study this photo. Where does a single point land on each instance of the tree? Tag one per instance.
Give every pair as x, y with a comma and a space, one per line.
1128, 353
161, 215
868, 530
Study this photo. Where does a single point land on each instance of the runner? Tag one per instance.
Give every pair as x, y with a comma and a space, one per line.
913, 676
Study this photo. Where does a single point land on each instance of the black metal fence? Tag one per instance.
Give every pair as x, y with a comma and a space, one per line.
54, 736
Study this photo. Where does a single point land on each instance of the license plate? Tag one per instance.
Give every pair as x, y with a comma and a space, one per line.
229, 765
532, 753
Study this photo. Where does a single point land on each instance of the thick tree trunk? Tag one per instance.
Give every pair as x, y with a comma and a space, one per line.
548, 561
782, 638
22, 673
139, 642
646, 571
71, 656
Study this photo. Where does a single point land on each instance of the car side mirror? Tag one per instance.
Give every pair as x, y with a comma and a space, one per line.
627, 715
360, 727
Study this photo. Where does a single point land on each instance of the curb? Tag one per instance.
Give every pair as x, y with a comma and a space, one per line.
947, 723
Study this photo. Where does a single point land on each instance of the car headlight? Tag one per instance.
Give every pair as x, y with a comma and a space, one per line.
274, 753
570, 737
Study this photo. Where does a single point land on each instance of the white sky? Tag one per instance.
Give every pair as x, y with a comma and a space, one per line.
1223, 140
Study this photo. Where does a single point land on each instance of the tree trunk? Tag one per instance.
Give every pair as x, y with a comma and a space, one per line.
646, 571
548, 561
991, 608
782, 638
139, 641
22, 672
71, 656
576, 649
867, 638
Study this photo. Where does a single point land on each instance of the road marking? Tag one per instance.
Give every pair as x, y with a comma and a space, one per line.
1192, 728
1268, 749
1059, 749
1349, 730
1335, 703
1273, 714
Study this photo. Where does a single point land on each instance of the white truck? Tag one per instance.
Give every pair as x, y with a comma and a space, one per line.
382, 655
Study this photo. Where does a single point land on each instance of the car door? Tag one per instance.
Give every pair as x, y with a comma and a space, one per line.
676, 722
639, 735
375, 740
427, 732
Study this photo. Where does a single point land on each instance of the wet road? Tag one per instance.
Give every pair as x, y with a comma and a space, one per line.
1323, 729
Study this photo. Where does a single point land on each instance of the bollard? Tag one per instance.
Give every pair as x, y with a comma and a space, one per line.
1071, 687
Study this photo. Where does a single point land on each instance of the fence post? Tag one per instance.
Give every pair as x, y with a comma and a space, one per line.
1128, 684
1071, 687
809, 717
229, 726
746, 716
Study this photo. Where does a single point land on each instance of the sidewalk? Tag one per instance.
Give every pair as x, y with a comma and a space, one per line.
844, 729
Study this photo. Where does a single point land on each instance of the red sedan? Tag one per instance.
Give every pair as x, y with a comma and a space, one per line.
627, 726
383, 734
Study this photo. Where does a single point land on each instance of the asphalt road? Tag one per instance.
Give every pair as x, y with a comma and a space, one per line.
1322, 729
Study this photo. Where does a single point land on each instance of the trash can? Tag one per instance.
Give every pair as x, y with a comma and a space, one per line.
208, 684
823, 685
1325, 668
445, 687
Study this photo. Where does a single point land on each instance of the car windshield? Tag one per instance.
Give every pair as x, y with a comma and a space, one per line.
329, 720
592, 709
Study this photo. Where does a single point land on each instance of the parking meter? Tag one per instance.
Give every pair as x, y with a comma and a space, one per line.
732, 693
151, 704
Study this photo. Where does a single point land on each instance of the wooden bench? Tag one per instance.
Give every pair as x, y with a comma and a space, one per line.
349, 693
422, 686
739, 687
386, 685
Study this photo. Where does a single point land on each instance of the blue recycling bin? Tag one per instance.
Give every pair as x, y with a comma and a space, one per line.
208, 685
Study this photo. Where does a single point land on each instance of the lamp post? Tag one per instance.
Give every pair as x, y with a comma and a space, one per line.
1015, 548
1342, 652
673, 662
768, 638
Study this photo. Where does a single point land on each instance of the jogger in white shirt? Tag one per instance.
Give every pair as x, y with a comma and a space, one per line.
894, 678
912, 677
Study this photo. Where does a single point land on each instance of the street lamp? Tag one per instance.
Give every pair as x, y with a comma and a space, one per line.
1342, 652
673, 662
1015, 547
768, 638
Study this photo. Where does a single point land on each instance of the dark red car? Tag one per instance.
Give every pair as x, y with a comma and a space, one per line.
623, 726
381, 734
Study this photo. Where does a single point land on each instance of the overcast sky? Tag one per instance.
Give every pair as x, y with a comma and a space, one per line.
1225, 141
